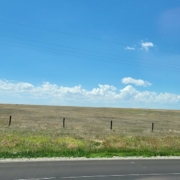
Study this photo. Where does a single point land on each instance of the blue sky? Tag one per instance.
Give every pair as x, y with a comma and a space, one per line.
102, 53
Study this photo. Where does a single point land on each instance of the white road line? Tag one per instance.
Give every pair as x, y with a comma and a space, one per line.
123, 175
45, 178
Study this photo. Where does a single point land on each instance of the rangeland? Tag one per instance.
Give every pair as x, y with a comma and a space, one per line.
37, 131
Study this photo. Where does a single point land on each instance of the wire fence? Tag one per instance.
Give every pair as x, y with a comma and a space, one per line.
84, 120
127, 123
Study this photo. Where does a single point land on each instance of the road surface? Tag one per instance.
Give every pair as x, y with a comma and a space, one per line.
92, 170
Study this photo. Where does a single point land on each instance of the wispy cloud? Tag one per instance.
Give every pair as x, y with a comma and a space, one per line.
137, 82
142, 46
129, 48
101, 95
147, 45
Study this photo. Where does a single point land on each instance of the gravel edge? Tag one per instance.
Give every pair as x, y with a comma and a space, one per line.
86, 159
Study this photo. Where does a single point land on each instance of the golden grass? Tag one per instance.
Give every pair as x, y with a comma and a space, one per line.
89, 122
37, 128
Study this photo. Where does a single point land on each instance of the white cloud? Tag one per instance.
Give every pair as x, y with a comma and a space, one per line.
129, 48
103, 95
20, 87
137, 82
142, 46
128, 92
146, 45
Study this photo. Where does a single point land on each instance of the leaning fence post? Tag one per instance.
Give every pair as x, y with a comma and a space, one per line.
10, 121
111, 125
152, 127
63, 122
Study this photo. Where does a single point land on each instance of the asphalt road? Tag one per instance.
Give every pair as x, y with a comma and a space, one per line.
92, 170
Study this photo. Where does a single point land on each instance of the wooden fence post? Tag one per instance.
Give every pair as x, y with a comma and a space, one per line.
152, 127
9, 121
111, 125
63, 122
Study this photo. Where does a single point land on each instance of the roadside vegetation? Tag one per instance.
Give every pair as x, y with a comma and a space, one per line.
37, 131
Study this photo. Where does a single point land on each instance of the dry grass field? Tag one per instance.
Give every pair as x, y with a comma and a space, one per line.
84, 126
88, 122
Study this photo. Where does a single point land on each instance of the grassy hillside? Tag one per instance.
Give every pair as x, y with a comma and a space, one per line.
37, 131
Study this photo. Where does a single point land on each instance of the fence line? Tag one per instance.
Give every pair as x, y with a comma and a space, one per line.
116, 124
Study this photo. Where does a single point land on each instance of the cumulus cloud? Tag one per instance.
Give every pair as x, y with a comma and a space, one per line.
137, 82
77, 95
129, 48
146, 45
20, 87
